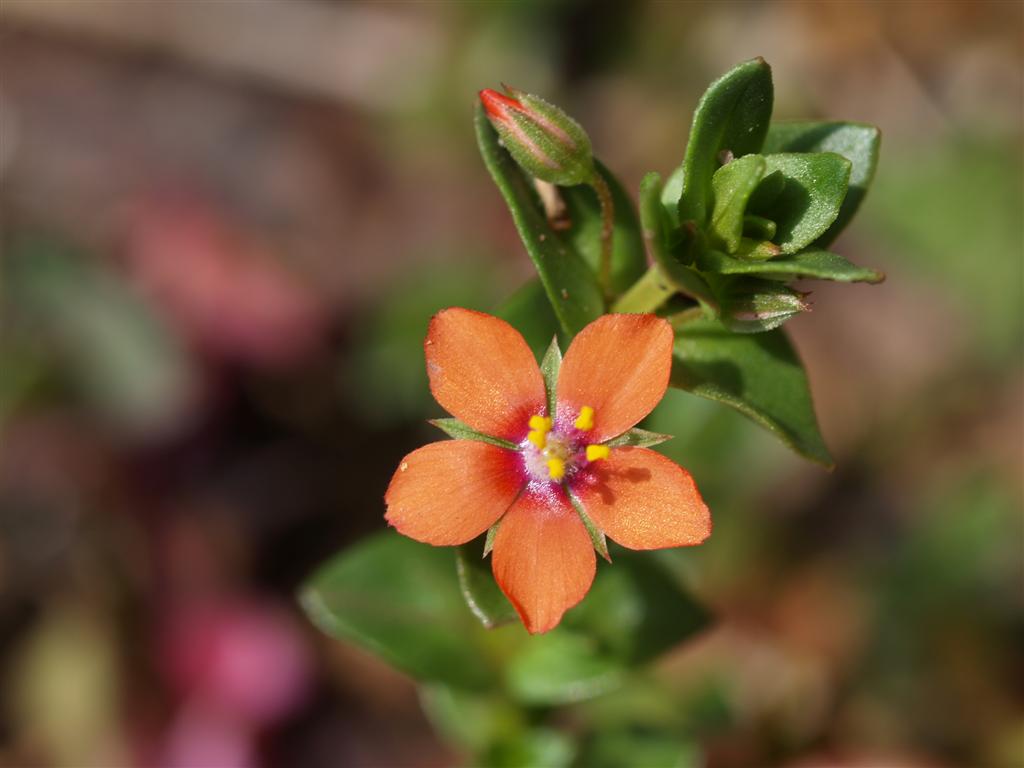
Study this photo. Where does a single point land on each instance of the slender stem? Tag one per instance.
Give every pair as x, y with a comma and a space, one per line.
604, 196
646, 294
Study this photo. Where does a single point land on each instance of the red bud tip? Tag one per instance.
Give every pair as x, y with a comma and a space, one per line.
496, 105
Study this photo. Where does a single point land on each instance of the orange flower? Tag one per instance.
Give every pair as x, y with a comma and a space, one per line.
546, 478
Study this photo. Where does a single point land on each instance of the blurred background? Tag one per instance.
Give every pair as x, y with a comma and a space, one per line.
224, 227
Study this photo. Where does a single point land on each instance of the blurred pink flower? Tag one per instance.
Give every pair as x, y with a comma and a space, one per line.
228, 294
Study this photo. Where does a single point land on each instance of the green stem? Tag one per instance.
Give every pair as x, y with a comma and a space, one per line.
604, 196
646, 294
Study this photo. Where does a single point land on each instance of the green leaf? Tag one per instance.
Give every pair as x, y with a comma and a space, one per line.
470, 720
751, 305
569, 283
529, 311
456, 429
625, 748
536, 748
758, 375
549, 368
732, 116
821, 265
732, 185
671, 193
857, 142
401, 601
655, 227
638, 438
561, 667
629, 260
637, 609
810, 200
481, 593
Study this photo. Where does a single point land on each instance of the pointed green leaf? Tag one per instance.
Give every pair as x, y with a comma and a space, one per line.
456, 429
821, 265
400, 600
758, 227
857, 142
597, 537
638, 438
481, 593
629, 259
758, 375
810, 200
569, 283
549, 368
732, 116
671, 192
732, 185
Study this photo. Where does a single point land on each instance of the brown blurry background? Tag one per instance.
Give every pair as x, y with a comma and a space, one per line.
224, 227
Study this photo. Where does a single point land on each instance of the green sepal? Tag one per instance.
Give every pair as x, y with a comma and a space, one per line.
492, 532
569, 282
732, 186
597, 537
629, 259
857, 142
759, 375
732, 116
481, 593
638, 438
809, 201
750, 250
456, 429
549, 368
556, 150
812, 263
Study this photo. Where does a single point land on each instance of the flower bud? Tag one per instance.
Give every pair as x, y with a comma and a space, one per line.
753, 306
542, 139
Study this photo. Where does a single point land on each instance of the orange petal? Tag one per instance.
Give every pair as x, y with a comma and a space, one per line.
483, 373
643, 500
543, 558
450, 492
619, 366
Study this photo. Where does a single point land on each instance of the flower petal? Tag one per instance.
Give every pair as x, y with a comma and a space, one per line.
450, 492
618, 365
483, 373
543, 559
643, 500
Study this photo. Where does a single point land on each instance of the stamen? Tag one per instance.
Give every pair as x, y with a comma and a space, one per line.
597, 452
556, 468
586, 420
539, 428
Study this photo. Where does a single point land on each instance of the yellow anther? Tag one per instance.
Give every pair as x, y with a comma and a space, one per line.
539, 438
540, 423
556, 468
586, 420
597, 452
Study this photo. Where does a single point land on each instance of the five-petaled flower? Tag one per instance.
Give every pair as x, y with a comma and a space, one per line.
548, 476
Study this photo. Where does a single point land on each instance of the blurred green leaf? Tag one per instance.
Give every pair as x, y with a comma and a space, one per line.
759, 375
811, 263
808, 203
629, 260
536, 748
481, 593
637, 609
569, 283
732, 116
121, 356
561, 667
639, 748
470, 720
459, 431
530, 312
857, 142
732, 185
401, 601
